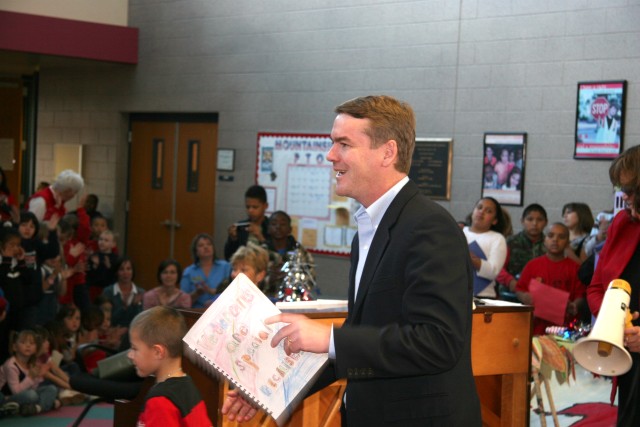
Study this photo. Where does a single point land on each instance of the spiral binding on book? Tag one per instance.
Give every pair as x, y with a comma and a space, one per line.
211, 368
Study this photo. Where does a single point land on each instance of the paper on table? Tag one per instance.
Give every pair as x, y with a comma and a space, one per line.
549, 303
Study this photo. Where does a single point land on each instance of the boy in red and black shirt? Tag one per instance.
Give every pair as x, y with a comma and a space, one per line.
156, 349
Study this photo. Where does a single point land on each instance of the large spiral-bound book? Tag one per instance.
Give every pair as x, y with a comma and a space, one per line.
230, 340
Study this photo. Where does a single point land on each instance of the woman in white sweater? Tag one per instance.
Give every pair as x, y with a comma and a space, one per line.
487, 224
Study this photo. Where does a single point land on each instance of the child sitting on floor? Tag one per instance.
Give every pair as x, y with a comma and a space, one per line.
24, 376
49, 362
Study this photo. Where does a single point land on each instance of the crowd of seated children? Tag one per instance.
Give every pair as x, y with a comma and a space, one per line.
553, 269
201, 279
487, 225
64, 277
168, 292
253, 229
71, 330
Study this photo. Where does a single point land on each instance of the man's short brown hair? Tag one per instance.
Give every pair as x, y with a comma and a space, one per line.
390, 119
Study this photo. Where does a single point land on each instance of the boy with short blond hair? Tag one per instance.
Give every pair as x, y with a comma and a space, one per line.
156, 350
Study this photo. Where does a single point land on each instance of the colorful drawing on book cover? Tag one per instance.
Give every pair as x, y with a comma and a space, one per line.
232, 336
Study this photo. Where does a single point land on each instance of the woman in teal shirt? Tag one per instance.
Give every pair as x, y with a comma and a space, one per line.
201, 278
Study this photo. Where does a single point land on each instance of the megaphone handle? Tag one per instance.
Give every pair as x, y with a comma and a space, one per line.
605, 348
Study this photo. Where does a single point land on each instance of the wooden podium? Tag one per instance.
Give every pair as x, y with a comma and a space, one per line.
500, 353
501, 360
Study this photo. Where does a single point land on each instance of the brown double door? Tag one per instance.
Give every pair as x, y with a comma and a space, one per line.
171, 192
11, 121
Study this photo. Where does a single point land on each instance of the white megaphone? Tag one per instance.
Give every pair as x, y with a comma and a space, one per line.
603, 352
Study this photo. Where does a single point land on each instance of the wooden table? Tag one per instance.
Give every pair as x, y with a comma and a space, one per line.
500, 350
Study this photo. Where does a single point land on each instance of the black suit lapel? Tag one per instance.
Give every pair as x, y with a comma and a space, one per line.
355, 253
379, 246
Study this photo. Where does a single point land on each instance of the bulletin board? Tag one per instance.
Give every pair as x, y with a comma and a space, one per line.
299, 180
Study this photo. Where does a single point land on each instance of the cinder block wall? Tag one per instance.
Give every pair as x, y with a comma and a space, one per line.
467, 67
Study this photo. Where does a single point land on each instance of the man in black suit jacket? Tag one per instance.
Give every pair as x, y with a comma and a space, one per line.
405, 347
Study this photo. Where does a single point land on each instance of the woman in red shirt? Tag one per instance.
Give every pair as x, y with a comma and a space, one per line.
620, 259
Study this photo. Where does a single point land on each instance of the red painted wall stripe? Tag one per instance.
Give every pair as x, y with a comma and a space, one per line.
22, 32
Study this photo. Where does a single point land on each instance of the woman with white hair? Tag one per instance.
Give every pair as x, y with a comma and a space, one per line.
51, 200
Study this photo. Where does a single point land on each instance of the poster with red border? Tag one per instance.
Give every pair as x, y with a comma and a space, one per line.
600, 120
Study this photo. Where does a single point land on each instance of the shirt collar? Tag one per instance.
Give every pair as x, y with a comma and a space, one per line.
117, 290
377, 209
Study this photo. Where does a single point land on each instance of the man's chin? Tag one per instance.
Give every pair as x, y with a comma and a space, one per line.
341, 191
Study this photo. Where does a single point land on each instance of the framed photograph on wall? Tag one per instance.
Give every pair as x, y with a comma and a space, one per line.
600, 119
503, 167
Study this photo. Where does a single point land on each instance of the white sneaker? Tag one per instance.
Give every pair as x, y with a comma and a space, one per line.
9, 408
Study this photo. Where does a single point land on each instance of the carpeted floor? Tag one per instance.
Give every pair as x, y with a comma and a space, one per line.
101, 415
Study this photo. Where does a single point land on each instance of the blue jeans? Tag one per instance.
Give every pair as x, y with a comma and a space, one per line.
45, 396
